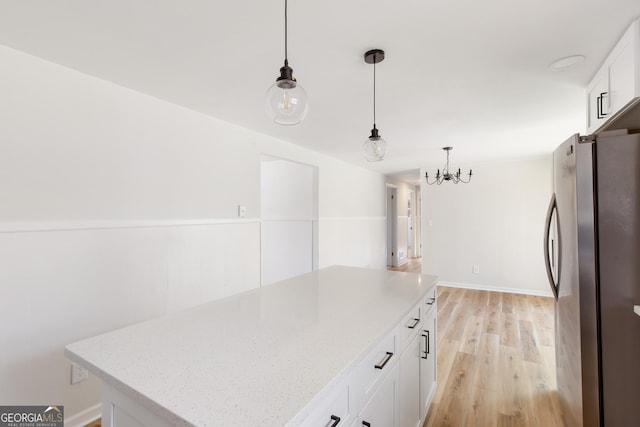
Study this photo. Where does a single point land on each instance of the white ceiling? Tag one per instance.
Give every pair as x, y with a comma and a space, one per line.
470, 74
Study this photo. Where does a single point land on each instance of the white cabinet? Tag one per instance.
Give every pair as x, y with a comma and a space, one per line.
597, 102
377, 364
616, 85
409, 393
336, 410
400, 393
381, 409
428, 370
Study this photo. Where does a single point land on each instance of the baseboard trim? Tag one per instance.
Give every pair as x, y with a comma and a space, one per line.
497, 289
85, 417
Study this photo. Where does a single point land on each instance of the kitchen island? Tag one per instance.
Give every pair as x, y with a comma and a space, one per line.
283, 354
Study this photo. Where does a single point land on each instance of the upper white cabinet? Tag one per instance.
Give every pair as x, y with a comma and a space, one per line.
616, 86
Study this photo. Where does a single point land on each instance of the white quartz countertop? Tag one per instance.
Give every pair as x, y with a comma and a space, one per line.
257, 358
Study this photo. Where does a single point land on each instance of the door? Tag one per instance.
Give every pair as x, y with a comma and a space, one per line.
409, 402
564, 282
392, 225
410, 224
381, 410
428, 362
618, 220
288, 229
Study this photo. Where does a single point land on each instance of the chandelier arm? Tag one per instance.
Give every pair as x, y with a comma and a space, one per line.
467, 181
426, 176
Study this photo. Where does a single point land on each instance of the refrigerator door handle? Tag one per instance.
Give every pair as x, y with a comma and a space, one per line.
549, 259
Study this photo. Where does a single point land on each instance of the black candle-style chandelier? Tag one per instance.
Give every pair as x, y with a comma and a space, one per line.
446, 175
286, 101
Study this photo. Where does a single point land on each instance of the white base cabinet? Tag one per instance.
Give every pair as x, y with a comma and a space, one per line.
390, 382
381, 410
409, 393
428, 368
394, 383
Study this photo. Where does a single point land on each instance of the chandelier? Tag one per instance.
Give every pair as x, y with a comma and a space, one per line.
446, 175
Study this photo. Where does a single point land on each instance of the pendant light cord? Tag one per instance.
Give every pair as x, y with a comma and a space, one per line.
374, 90
286, 61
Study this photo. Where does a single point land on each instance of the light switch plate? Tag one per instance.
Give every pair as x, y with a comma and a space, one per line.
242, 211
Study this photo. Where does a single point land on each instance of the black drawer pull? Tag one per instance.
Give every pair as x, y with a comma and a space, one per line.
600, 107
426, 345
366, 424
432, 301
385, 361
416, 321
336, 421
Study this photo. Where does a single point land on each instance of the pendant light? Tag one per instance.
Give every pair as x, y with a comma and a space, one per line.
374, 147
286, 101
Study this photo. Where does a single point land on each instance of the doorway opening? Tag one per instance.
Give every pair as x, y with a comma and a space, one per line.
289, 218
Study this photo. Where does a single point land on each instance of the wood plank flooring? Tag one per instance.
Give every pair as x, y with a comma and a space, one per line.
496, 361
413, 265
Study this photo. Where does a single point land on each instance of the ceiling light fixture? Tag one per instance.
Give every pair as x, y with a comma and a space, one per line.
566, 62
374, 147
446, 175
286, 101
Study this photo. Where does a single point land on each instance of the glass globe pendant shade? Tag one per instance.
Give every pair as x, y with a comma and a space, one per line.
374, 148
286, 101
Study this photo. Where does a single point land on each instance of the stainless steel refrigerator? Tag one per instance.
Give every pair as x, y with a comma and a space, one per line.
592, 253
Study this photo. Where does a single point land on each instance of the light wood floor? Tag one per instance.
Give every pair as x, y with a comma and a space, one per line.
496, 361
413, 265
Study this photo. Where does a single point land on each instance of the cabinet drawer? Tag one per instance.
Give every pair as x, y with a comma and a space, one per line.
377, 363
410, 325
337, 409
429, 301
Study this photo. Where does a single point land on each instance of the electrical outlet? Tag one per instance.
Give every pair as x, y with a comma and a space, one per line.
78, 373
476, 269
242, 211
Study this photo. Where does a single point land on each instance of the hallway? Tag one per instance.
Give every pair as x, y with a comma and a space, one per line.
414, 265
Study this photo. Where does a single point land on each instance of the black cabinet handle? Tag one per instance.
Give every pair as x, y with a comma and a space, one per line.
426, 345
428, 349
415, 323
385, 361
432, 301
601, 114
336, 421
366, 424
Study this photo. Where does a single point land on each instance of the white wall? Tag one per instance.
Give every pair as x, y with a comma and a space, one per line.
116, 207
495, 222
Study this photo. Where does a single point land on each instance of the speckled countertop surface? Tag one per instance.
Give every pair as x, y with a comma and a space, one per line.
257, 358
